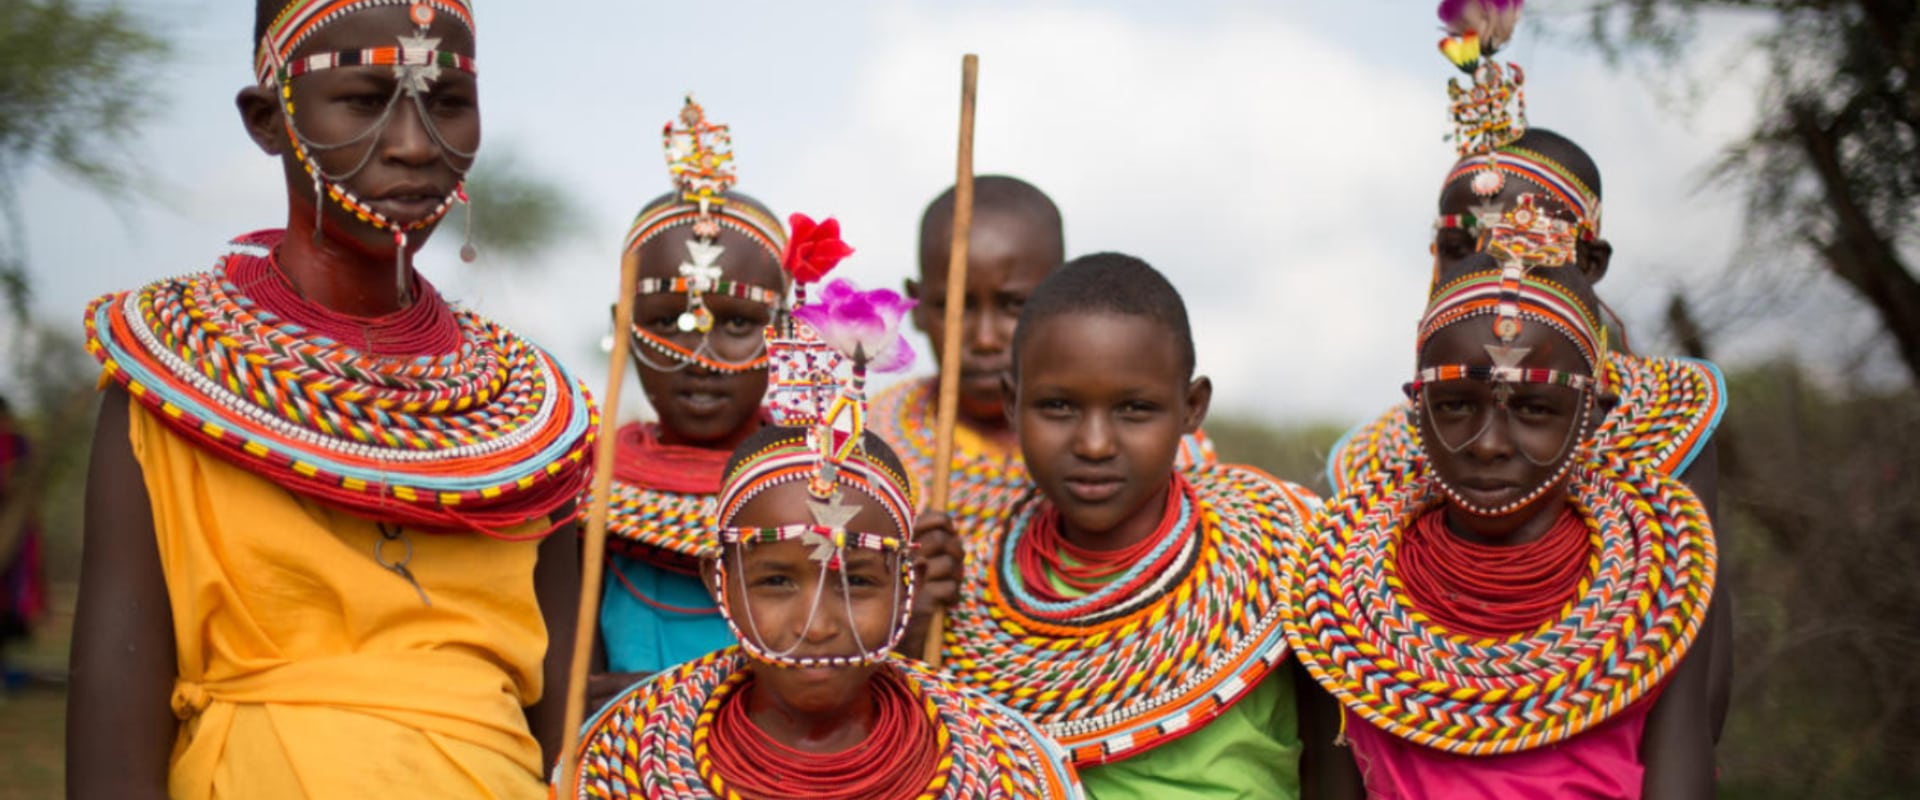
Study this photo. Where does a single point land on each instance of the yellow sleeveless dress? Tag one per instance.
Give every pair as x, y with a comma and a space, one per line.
307, 670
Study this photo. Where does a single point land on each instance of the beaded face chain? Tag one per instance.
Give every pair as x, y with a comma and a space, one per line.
416, 62
1509, 296
827, 538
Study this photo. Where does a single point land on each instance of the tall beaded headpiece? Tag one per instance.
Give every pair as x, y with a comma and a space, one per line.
1491, 112
821, 355
416, 61
1513, 294
700, 163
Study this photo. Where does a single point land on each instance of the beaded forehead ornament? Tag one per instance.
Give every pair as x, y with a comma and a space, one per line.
1491, 112
700, 161
1524, 240
416, 62
821, 355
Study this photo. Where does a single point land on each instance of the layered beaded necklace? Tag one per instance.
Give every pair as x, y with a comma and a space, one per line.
1163, 647
434, 418
683, 734
1645, 569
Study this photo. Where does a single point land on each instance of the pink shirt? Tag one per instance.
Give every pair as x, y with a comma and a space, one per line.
1603, 762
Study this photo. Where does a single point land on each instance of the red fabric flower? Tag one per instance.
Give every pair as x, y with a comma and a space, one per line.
813, 249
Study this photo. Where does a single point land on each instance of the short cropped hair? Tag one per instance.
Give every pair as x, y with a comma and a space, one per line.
997, 192
1108, 283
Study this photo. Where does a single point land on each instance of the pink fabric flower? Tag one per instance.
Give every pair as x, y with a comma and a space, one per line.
813, 249
850, 320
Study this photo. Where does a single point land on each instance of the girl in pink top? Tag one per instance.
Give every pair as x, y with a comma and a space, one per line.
1512, 614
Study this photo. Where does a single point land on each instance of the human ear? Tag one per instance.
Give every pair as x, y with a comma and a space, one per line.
1599, 256
1199, 397
260, 113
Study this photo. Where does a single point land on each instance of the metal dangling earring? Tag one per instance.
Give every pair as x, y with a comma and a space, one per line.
400, 262
468, 253
317, 207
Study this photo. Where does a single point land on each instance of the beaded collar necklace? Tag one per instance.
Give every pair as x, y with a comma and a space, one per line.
656, 740
483, 438
1111, 676
1634, 616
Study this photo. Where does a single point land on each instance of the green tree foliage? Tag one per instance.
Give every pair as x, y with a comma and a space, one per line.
1832, 169
75, 84
516, 212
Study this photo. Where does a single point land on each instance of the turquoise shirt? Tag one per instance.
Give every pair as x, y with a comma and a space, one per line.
643, 637
1252, 750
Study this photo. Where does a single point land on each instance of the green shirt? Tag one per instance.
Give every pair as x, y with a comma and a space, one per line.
1251, 750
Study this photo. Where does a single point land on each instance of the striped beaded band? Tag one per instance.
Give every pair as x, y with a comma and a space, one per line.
674, 212
1459, 372
483, 439
1121, 680
1539, 170
745, 291
1650, 579
647, 742
301, 19
838, 537
380, 57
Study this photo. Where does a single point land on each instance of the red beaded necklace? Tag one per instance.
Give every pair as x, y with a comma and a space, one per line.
899, 758
1484, 591
1045, 552
426, 327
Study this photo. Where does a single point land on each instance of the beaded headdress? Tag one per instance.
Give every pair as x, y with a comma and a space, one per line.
821, 354
700, 162
1489, 117
416, 61
1512, 295
1491, 112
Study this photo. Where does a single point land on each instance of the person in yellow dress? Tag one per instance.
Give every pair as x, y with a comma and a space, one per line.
318, 560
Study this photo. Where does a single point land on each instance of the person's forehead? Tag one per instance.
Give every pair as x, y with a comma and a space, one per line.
1063, 340
1466, 342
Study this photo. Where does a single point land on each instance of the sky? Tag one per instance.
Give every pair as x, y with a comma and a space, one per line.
1278, 161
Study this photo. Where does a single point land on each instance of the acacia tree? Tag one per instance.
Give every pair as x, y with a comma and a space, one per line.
1833, 166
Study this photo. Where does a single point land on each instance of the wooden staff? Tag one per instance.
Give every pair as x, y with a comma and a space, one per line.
949, 408
593, 561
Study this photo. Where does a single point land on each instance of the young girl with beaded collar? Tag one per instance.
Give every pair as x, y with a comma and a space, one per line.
710, 283
1668, 408
810, 563
1127, 605
1511, 613
318, 560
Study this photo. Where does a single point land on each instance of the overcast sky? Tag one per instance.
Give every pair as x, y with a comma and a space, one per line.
1279, 161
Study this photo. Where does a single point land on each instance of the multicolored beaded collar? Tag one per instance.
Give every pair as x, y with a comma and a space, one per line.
653, 742
484, 438
1111, 677
1349, 622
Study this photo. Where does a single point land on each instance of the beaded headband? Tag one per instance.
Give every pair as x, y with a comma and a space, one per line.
1491, 112
828, 537
1511, 295
1559, 183
416, 63
700, 161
